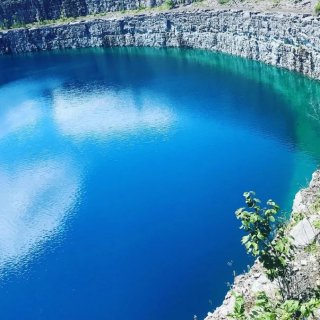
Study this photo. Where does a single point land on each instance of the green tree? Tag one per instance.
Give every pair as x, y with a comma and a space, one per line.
267, 240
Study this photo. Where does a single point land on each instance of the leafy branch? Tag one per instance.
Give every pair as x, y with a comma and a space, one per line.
269, 243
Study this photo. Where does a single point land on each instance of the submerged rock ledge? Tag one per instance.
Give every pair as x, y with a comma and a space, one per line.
286, 40
306, 263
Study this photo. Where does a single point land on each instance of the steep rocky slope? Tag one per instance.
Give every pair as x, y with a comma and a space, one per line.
20, 12
307, 255
290, 41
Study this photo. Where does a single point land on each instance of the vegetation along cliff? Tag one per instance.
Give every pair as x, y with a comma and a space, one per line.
285, 279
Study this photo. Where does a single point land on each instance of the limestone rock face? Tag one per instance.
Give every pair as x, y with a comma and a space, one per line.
290, 41
306, 198
306, 264
248, 284
304, 233
28, 11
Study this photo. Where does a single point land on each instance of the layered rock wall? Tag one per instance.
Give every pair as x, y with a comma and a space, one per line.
288, 40
291, 41
16, 12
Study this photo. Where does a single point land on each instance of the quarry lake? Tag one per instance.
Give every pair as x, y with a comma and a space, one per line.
121, 169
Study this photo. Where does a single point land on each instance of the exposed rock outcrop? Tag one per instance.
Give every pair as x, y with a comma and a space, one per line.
15, 12
306, 264
290, 41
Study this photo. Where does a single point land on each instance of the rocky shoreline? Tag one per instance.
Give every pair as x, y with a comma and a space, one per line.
286, 40
306, 263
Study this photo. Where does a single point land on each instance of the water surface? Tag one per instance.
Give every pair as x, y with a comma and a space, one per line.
121, 169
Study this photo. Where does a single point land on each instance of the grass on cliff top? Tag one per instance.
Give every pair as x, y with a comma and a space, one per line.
19, 25
317, 8
167, 5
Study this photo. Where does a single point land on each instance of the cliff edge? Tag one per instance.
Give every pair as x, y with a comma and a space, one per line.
304, 229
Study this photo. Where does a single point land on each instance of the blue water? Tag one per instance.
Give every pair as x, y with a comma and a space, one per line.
121, 169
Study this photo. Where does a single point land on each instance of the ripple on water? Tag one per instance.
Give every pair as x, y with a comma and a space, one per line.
120, 170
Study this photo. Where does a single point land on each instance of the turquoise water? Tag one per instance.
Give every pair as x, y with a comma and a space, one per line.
121, 169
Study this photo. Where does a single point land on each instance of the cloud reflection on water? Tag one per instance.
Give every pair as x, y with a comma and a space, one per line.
37, 198
35, 201
20, 117
100, 115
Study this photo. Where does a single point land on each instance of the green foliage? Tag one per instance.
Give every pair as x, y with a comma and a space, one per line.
312, 248
317, 8
308, 308
17, 25
4, 24
271, 245
16, 22
264, 309
295, 309
169, 4
239, 307
296, 217
223, 1
316, 203
316, 224
141, 8
277, 254
273, 251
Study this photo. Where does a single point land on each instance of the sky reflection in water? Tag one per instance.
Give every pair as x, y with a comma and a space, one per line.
102, 114
38, 196
126, 158
35, 201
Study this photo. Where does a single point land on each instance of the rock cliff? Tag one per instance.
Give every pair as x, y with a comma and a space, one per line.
15, 12
290, 41
286, 40
306, 264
